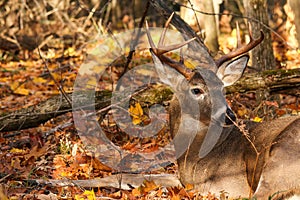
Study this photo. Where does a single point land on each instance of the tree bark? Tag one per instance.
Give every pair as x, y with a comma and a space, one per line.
271, 80
295, 5
201, 21
211, 29
37, 114
262, 55
33, 116
120, 181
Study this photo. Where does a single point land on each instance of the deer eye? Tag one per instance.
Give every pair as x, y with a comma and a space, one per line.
197, 91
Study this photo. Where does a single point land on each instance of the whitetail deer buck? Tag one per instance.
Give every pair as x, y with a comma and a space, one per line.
261, 163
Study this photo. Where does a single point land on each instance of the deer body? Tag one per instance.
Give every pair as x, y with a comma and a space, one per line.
231, 165
219, 156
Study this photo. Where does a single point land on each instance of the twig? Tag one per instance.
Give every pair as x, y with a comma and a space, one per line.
59, 87
91, 13
15, 41
192, 7
5, 177
45, 41
134, 42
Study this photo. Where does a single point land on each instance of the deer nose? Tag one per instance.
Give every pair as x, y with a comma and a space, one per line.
230, 117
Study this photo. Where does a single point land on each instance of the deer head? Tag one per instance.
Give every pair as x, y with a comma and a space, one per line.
199, 91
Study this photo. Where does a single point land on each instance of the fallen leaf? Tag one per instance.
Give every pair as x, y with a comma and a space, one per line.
136, 112
136, 192
257, 119
39, 80
148, 186
15, 150
87, 194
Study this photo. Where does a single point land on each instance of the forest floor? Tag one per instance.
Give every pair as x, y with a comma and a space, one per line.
54, 150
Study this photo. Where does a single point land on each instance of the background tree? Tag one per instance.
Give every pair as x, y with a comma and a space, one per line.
199, 21
295, 5
262, 56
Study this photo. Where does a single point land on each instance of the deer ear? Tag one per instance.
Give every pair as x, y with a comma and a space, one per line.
230, 72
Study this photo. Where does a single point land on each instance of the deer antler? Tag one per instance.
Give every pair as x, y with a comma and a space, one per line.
161, 49
241, 49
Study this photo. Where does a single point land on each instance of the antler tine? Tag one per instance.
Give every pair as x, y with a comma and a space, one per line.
164, 49
157, 52
152, 45
172, 47
241, 50
163, 34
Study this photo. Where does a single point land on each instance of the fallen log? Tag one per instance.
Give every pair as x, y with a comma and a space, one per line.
121, 181
273, 81
270, 80
35, 115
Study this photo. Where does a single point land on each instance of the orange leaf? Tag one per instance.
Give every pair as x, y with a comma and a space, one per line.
272, 103
100, 166
129, 146
37, 152
136, 192
176, 197
149, 185
189, 186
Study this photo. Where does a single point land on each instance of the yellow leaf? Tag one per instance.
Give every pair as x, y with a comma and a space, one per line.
39, 80
70, 52
78, 197
90, 194
136, 112
87, 194
5, 79
14, 86
57, 76
64, 174
51, 83
15, 150
21, 91
257, 119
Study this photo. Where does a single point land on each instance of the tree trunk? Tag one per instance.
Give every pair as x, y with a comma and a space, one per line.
201, 21
211, 29
262, 55
295, 5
